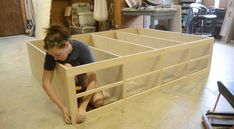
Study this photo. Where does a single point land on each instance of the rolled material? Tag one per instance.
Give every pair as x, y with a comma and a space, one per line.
67, 11
100, 10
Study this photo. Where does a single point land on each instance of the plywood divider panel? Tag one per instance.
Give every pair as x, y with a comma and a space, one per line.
117, 47
108, 75
110, 34
170, 35
145, 40
100, 54
130, 30
124, 73
84, 38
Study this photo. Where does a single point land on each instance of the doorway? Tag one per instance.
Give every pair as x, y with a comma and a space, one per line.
11, 18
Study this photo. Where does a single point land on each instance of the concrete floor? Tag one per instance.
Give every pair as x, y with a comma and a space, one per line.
24, 104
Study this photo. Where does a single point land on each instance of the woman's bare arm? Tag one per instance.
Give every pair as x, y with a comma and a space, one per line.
46, 83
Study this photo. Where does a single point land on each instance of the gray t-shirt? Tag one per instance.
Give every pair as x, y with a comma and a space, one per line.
80, 55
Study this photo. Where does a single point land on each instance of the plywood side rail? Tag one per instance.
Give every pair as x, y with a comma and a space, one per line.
203, 42
200, 72
99, 89
173, 66
142, 75
200, 58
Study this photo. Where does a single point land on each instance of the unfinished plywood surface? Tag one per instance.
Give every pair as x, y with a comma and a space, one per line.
132, 62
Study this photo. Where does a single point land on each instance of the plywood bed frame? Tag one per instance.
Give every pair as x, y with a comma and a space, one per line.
129, 64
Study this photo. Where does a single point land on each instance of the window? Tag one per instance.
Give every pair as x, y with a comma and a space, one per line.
216, 4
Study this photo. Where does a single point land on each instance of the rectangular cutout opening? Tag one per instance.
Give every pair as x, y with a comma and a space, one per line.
175, 57
136, 68
110, 95
197, 65
173, 73
199, 51
141, 84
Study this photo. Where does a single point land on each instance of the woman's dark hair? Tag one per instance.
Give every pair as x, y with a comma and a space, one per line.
56, 36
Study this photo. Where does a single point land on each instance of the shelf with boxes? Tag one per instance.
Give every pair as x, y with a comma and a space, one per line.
82, 19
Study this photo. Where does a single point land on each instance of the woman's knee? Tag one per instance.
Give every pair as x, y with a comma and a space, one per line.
98, 99
98, 103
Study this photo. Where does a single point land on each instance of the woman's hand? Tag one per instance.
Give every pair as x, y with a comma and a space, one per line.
81, 116
66, 115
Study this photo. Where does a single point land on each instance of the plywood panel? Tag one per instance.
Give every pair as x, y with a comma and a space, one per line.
110, 34
35, 53
85, 38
